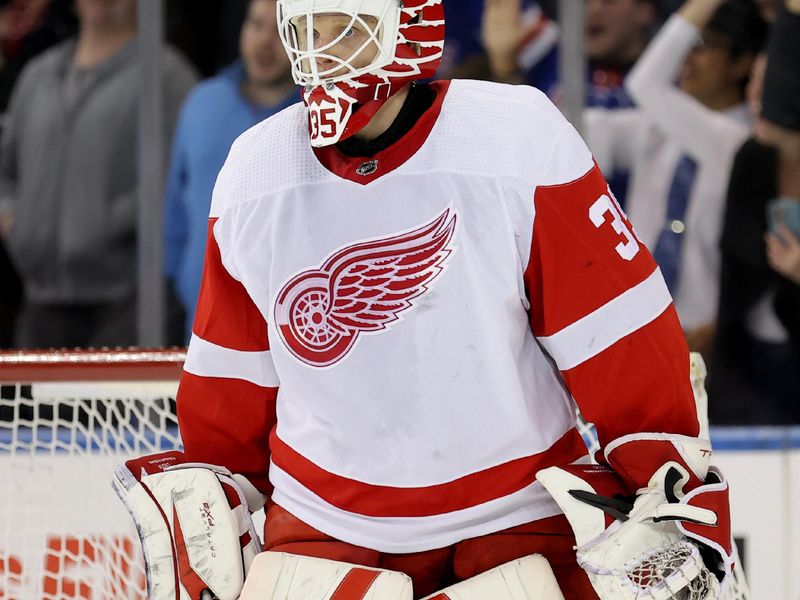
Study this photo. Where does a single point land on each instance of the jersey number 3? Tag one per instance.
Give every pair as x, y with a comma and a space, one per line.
597, 213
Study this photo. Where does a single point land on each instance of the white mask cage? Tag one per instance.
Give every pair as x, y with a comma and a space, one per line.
324, 57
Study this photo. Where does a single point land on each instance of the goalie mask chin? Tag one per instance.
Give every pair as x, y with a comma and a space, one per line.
351, 56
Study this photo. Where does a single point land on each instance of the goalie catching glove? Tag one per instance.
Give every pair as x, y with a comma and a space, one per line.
194, 523
663, 544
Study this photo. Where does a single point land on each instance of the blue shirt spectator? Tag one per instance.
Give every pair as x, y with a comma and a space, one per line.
217, 112
214, 115
617, 32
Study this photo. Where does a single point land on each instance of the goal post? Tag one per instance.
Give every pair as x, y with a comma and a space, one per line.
66, 419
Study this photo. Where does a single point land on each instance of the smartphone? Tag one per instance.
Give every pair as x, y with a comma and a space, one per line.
786, 211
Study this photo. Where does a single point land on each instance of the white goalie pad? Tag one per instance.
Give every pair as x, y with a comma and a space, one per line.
194, 524
658, 547
280, 576
529, 578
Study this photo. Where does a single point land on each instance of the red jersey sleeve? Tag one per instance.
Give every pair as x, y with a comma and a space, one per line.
601, 309
226, 399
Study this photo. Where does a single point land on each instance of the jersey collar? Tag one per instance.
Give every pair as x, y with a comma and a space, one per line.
366, 169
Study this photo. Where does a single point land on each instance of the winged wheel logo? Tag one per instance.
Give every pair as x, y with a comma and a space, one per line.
360, 289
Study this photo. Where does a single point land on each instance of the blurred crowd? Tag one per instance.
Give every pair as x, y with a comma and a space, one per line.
692, 112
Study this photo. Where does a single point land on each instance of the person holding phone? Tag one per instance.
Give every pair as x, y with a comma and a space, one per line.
783, 251
755, 373
783, 238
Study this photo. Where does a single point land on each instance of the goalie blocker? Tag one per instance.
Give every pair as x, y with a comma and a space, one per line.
194, 523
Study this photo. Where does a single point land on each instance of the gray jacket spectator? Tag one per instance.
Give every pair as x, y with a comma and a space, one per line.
68, 169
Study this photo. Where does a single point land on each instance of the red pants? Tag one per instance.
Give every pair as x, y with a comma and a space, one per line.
436, 569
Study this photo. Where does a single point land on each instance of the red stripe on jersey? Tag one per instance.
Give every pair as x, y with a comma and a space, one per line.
584, 254
575, 267
227, 422
639, 384
385, 501
355, 585
441, 596
226, 315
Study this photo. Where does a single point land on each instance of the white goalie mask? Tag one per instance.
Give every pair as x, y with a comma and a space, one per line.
351, 56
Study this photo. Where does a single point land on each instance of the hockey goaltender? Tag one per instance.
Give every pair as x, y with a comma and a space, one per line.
408, 289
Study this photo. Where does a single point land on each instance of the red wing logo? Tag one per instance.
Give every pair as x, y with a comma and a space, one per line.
362, 288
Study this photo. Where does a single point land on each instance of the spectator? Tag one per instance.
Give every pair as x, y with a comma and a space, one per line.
756, 369
10, 285
463, 50
214, 115
26, 29
522, 45
207, 33
68, 167
680, 145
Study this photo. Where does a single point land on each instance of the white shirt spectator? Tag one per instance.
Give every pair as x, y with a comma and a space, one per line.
651, 140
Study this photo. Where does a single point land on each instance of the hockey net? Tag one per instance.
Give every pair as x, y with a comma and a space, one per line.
66, 419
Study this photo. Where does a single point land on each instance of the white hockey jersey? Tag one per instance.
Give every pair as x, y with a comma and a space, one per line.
380, 333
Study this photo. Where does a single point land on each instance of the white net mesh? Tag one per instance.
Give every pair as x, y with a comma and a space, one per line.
63, 531
679, 560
